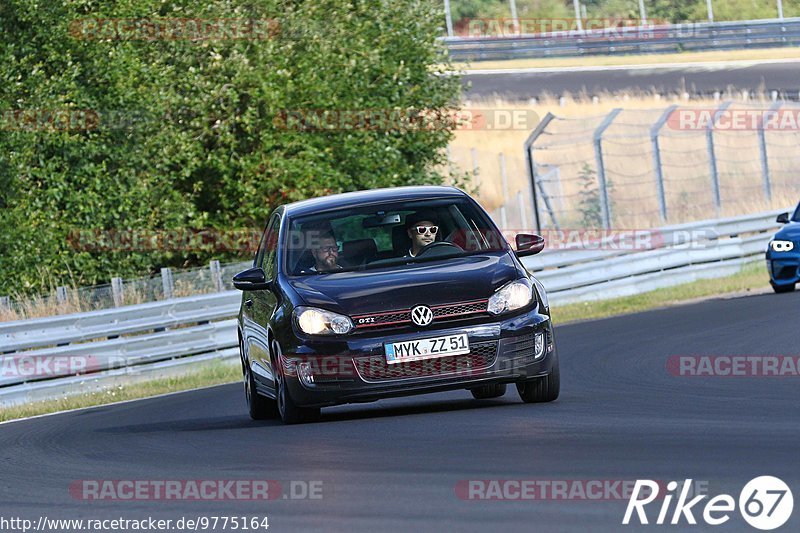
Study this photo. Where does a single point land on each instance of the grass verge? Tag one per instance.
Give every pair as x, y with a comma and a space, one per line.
213, 374
752, 278
635, 59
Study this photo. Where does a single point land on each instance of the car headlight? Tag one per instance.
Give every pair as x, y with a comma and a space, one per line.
315, 321
782, 246
512, 296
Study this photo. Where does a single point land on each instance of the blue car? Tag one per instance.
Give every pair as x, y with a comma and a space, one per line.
783, 254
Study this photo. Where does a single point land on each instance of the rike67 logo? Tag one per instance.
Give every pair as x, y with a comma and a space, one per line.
765, 503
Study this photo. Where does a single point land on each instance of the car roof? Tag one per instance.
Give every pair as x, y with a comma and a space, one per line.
354, 199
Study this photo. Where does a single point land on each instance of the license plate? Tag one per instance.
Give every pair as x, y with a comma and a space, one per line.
414, 350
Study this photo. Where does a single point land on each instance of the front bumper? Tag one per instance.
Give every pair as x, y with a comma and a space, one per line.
502, 351
784, 267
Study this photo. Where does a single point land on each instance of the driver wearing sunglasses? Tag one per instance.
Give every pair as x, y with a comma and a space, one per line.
422, 228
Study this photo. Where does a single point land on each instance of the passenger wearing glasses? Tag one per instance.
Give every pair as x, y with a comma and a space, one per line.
422, 228
326, 254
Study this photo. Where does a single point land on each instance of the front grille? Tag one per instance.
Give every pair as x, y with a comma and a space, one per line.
482, 355
402, 317
781, 272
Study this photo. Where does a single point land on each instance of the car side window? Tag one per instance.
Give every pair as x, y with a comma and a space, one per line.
267, 253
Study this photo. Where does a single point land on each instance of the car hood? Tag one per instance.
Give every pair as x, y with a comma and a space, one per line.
790, 232
459, 279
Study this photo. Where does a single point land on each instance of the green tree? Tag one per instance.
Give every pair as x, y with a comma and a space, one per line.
187, 134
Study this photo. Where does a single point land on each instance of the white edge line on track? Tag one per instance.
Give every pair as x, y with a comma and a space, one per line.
742, 63
114, 403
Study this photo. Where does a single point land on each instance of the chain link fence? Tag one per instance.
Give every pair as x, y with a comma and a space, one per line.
169, 284
635, 168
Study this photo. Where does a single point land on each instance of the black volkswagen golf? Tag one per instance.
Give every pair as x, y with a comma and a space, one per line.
374, 294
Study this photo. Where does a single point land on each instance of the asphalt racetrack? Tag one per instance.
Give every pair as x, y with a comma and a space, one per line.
396, 464
695, 79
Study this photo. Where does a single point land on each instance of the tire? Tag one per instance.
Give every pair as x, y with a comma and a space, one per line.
780, 289
289, 411
543, 389
259, 407
489, 391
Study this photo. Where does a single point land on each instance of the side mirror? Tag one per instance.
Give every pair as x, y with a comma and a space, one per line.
253, 279
783, 218
529, 244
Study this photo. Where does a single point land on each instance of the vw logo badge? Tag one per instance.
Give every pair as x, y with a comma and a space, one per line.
421, 315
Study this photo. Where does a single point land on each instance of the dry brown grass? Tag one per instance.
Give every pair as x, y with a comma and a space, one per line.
628, 158
638, 59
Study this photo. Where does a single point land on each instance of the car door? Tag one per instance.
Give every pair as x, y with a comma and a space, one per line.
264, 303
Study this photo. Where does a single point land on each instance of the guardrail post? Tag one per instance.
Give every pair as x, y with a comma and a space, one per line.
762, 144
712, 158
216, 275
605, 204
528, 146
61, 295
117, 291
654, 131
167, 283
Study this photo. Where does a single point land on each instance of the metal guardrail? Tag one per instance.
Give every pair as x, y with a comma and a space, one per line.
724, 244
166, 338
78, 327
630, 40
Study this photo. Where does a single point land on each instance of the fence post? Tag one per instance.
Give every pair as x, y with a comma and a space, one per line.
654, 131
504, 181
762, 144
605, 204
476, 174
523, 218
513, 6
61, 295
712, 158
528, 146
216, 275
448, 18
545, 197
167, 283
117, 291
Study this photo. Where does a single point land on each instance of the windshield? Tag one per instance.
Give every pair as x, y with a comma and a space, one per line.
796, 216
388, 235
